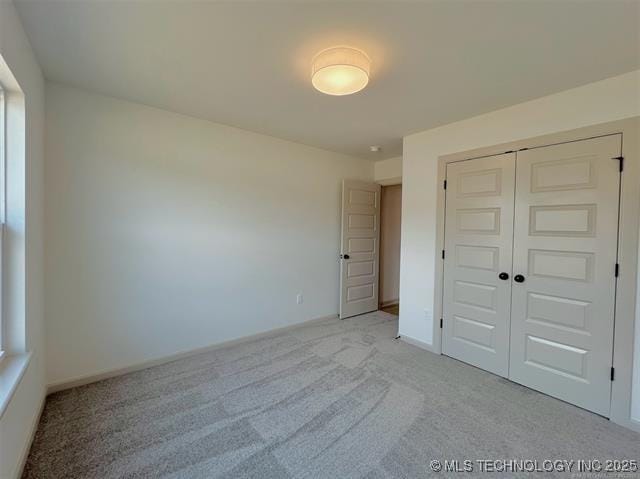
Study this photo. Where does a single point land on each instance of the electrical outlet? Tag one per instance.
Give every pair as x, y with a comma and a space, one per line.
428, 315
299, 298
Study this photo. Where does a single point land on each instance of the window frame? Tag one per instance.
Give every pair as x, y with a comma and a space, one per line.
3, 189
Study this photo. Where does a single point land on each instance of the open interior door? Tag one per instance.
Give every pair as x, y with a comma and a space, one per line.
360, 248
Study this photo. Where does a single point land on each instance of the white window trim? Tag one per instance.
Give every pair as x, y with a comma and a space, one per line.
12, 366
11, 371
3, 189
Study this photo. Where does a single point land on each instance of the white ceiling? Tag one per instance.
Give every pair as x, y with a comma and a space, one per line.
247, 64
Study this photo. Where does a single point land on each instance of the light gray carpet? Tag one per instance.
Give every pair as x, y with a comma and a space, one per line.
336, 399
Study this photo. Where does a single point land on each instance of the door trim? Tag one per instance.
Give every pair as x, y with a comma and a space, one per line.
625, 300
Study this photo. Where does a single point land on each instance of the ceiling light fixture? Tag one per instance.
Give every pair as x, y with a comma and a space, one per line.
340, 71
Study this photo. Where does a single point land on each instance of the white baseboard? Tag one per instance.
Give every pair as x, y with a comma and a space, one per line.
418, 343
24, 455
92, 378
629, 423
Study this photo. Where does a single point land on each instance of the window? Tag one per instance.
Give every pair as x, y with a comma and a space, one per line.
2, 205
13, 344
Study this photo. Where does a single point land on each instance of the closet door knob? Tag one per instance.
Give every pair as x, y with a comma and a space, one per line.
503, 276
518, 278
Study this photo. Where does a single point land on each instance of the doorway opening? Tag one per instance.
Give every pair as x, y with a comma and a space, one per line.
390, 223
370, 248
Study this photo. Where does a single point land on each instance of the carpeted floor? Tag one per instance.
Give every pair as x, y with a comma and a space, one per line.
335, 399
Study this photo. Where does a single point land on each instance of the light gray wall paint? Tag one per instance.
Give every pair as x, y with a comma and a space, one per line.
166, 233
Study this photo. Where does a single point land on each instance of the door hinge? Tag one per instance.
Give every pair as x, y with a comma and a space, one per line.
617, 270
621, 160
442, 254
441, 323
613, 373
445, 184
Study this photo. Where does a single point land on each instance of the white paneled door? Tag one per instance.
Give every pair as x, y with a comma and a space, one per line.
478, 235
360, 246
565, 249
530, 267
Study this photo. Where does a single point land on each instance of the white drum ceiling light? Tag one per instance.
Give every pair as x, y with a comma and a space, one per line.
340, 71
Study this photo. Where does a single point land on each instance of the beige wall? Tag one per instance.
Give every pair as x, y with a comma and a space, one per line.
390, 214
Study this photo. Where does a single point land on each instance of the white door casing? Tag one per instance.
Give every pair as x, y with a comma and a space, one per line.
565, 247
478, 246
360, 248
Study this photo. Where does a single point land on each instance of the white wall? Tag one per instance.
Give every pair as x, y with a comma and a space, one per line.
24, 245
166, 233
390, 216
388, 172
608, 100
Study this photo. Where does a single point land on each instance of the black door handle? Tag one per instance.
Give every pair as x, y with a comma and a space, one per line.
518, 278
345, 256
503, 276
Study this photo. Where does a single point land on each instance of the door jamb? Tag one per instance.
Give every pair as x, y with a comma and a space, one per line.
625, 302
388, 182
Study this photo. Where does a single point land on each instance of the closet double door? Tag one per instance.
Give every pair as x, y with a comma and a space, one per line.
529, 271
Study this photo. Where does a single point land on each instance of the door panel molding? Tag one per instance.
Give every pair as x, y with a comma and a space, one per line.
567, 258
360, 248
626, 290
477, 302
